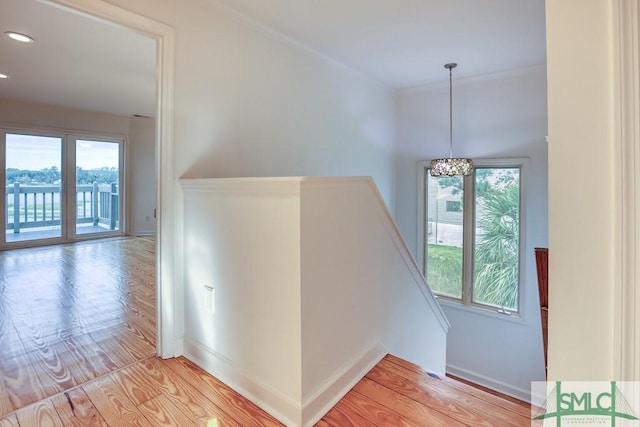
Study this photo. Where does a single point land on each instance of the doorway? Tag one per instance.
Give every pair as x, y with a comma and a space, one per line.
167, 264
163, 38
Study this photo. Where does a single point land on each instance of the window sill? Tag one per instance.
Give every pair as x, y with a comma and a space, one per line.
489, 312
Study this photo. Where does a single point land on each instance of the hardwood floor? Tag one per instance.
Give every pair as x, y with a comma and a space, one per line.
175, 392
72, 313
398, 393
77, 335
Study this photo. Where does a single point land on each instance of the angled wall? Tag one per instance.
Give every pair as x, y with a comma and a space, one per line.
313, 286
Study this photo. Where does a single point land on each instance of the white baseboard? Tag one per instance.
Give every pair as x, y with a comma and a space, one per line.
282, 407
499, 386
328, 394
142, 233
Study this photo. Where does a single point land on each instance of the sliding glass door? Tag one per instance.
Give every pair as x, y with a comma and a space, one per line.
97, 186
59, 188
33, 187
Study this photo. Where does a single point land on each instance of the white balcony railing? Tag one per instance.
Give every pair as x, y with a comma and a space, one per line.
32, 206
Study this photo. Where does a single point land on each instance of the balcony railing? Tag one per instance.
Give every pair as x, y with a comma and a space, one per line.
31, 206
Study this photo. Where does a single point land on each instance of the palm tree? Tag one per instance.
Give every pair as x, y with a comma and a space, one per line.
496, 250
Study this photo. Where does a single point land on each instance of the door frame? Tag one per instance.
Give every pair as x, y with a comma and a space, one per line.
168, 344
71, 141
626, 302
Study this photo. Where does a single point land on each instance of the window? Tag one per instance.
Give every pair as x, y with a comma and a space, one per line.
471, 239
454, 206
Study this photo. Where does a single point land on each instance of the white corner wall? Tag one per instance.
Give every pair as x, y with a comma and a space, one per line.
494, 117
361, 290
243, 240
313, 286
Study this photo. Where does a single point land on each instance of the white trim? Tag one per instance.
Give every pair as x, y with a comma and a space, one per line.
534, 69
256, 187
627, 190
403, 249
422, 197
143, 234
69, 187
499, 386
282, 407
336, 387
281, 37
168, 266
3, 179
516, 318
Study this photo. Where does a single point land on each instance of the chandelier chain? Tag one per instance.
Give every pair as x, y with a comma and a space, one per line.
450, 114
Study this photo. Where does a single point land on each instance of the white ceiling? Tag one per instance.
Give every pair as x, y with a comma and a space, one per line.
405, 43
88, 64
75, 61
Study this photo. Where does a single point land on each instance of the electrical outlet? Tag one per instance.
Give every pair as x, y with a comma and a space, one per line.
210, 299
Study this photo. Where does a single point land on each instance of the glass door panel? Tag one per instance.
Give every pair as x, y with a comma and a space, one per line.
33, 187
97, 187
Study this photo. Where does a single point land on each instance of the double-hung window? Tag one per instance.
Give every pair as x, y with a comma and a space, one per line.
471, 234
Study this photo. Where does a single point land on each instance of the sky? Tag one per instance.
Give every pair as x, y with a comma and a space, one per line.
42, 152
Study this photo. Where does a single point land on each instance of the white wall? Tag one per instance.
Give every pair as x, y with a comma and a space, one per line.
244, 241
29, 114
494, 116
313, 286
142, 176
248, 102
251, 103
582, 212
360, 287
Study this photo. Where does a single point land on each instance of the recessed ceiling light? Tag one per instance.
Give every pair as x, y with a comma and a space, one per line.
19, 37
3, 76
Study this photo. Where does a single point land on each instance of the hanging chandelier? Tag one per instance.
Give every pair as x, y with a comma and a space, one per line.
451, 166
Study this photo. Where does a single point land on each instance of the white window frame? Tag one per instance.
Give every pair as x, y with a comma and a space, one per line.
122, 141
466, 300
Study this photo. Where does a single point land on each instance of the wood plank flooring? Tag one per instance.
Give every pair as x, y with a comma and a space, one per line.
72, 313
398, 393
175, 392
77, 337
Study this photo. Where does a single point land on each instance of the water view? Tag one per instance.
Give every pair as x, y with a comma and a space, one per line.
36, 169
